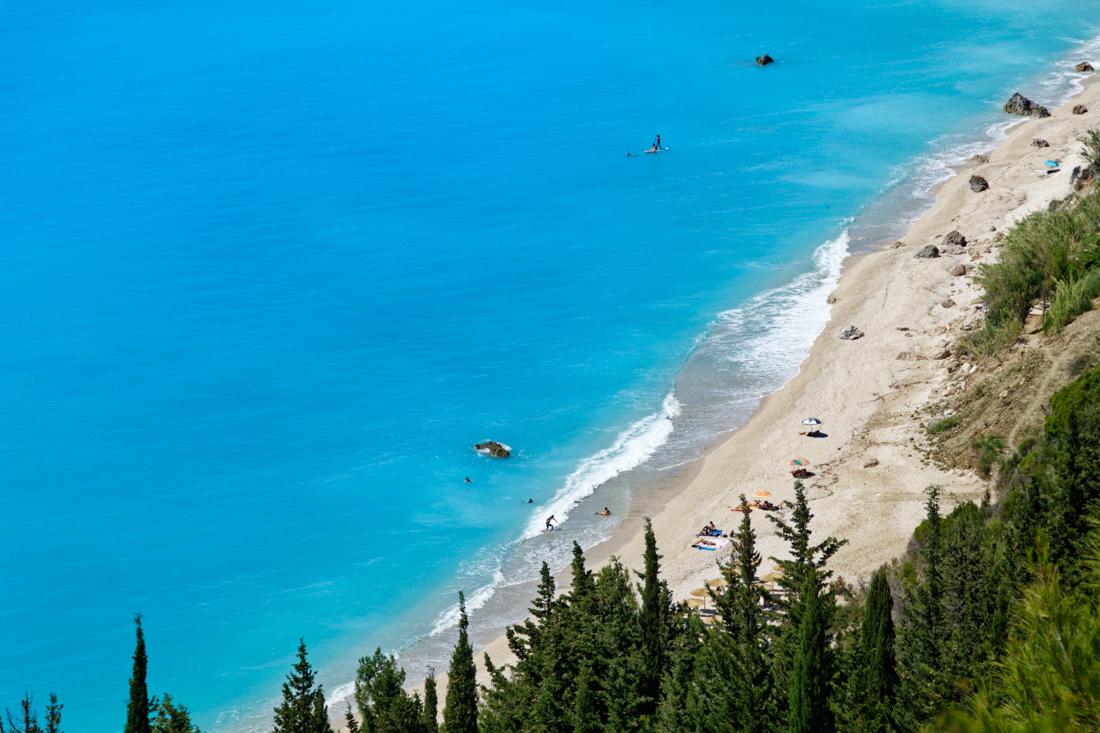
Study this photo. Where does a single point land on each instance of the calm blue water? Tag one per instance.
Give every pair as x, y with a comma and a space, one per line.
268, 270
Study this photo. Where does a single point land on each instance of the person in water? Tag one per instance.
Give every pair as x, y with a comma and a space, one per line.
605, 513
550, 522
469, 480
657, 143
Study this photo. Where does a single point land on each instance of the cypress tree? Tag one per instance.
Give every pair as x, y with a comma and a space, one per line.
653, 619
811, 675
460, 710
350, 722
29, 716
137, 710
303, 706
876, 672
586, 717
431, 703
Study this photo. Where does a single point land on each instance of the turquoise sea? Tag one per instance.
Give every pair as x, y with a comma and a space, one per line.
267, 270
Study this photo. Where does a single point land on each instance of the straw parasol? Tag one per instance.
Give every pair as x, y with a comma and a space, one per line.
701, 593
717, 583
761, 494
772, 577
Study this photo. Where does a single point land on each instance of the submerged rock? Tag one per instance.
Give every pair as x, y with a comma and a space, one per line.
978, 184
1080, 109
1039, 143
1083, 67
928, 251
493, 448
1018, 104
764, 60
851, 334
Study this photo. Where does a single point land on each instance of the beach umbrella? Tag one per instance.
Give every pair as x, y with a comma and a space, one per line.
717, 583
772, 577
761, 494
799, 462
701, 593
811, 421
696, 603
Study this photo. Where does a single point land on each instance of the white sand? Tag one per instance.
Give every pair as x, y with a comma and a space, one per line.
866, 395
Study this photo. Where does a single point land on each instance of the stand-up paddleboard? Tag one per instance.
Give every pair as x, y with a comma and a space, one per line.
648, 151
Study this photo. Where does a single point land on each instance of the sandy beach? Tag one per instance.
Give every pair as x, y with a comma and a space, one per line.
869, 474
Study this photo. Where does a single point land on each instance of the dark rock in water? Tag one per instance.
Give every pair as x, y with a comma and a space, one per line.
928, 251
764, 60
1083, 67
851, 334
1080, 109
978, 184
493, 448
954, 238
1018, 104
1039, 143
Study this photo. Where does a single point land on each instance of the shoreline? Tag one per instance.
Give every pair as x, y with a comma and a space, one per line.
871, 405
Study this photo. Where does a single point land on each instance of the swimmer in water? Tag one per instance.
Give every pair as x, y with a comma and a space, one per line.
605, 513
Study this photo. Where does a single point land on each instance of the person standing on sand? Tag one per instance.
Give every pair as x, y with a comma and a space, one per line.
550, 522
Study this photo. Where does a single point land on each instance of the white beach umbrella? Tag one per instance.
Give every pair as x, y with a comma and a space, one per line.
811, 421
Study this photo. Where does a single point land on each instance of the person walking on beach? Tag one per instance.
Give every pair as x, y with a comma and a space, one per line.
550, 522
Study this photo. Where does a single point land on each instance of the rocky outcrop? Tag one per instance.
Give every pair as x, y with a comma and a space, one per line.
493, 448
1080, 109
978, 184
764, 60
1083, 67
851, 334
1081, 177
1018, 104
1039, 143
927, 252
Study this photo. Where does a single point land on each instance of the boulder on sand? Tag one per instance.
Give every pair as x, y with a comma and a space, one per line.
954, 238
493, 448
978, 184
764, 60
958, 269
1083, 67
1039, 143
1080, 109
851, 334
928, 251
1018, 104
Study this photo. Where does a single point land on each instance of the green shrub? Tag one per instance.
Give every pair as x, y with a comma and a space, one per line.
988, 449
1071, 298
942, 426
1091, 153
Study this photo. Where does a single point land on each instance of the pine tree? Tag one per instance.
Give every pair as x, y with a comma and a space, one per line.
29, 716
460, 710
384, 706
53, 715
350, 722
137, 711
303, 707
875, 678
586, 717
431, 703
654, 622
172, 718
811, 675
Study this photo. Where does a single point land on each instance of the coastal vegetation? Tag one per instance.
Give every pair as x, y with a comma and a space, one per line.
1050, 262
990, 621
